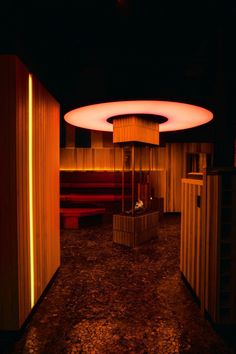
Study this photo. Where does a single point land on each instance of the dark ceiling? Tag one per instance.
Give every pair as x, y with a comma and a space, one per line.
86, 52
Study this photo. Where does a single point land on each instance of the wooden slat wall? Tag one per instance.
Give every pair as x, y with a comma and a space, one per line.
107, 139
212, 246
220, 248
46, 186
199, 241
158, 185
190, 248
70, 135
22, 184
15, 294
174, 164
90, 159
68, 158
96, 139
208, 245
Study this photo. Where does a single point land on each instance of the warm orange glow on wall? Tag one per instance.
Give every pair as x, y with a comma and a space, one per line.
31, 214
179, 115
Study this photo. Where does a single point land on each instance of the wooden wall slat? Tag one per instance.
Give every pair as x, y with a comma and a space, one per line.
69, 159
211, 302
22, 184
171, 160
212, 275
198, 246
46, 191
96, 139
190, 255
15, 290
70, 135
188, 238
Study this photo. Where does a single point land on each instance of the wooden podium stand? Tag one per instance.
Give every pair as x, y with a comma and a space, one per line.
135, 230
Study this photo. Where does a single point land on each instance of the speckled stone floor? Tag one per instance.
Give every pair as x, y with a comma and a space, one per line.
107, 299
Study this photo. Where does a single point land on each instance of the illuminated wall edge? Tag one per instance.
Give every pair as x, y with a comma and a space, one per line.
31, 214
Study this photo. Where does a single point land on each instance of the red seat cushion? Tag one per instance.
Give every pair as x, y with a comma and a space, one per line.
81, 211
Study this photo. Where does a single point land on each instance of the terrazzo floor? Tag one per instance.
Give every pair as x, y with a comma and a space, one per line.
109, 299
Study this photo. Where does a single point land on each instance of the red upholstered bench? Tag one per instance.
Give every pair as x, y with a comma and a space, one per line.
70, 216
93, 185
93, 189
83, 198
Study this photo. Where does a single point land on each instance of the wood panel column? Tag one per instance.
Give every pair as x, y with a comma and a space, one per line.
29, 191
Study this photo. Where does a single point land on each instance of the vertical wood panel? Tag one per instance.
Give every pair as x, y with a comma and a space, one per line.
211, 303
85, 159
198, 245
96, 139
214, 226
15, 294
46, 186
70, 136
69, 159
190, 255
22, 185
107, 140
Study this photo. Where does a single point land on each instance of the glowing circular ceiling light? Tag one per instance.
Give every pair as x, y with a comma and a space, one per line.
179, 115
